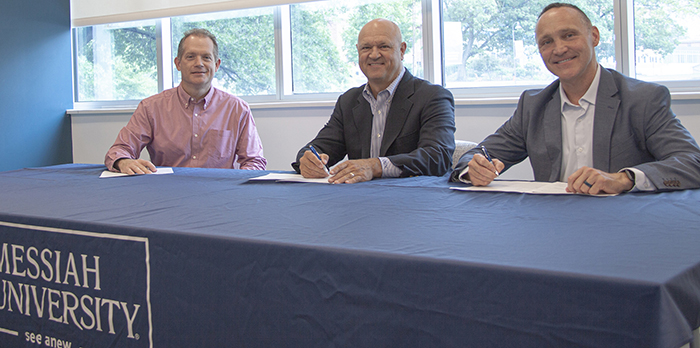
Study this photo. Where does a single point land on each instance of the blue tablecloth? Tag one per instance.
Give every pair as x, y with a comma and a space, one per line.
206, 258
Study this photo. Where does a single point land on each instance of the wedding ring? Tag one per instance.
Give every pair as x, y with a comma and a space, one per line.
587, 183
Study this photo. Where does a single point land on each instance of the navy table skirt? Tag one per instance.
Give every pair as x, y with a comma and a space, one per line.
207, 258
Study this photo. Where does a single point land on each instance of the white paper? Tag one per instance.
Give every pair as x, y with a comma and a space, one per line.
532, 187
159, 170
286, 177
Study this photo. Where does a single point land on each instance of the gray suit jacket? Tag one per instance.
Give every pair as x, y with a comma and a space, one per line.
633, 127
418, 136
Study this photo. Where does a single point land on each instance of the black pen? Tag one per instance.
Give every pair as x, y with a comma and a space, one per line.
486, 154
319, 158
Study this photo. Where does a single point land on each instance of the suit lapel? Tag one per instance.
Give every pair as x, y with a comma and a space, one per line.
362, 115
552, 134
398, 112
607, 104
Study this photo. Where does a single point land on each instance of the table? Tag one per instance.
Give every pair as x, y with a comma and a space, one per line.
204, 257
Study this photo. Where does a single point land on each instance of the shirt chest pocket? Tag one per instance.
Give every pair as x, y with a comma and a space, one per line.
219, 143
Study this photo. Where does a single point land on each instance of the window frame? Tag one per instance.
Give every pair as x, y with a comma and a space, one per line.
433, 57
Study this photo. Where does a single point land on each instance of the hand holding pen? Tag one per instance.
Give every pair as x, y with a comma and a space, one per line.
483, 169
486, 154
313, 149
312, 164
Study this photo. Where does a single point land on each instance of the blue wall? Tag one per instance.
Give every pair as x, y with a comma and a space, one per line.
35, 83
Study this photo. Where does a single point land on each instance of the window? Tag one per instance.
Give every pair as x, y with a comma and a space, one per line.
324, 34
667, 40
307, 50
116, 61
246, 48
490, 43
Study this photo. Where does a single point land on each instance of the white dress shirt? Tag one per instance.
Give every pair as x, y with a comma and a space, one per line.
380, 108
577, 136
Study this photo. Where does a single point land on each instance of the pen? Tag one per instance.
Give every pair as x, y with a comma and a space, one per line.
486, 154
319, 158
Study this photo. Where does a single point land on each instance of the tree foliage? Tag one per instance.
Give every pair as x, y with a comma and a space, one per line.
401, 12
132, 71
246, 49
654, 27
316, 59
323, 37
490, 27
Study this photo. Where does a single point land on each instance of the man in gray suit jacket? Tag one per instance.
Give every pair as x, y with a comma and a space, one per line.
396, 125
598, 130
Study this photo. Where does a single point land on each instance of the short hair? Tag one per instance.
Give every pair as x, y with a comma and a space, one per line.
584, 17
201, 33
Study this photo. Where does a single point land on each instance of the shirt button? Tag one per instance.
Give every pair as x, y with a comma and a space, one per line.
194, 157
195, 115
196, 135
579, 149
379, 135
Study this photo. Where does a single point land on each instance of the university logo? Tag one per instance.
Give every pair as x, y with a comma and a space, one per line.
68, 288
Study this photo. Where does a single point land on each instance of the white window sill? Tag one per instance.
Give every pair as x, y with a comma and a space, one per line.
330, 103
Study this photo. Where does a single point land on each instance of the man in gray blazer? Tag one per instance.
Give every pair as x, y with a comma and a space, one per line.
396, 125
598, 130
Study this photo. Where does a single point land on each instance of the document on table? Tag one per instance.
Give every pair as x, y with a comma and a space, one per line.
159, 170
286, 177
532, 187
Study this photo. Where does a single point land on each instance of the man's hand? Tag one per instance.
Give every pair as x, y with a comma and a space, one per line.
353, 171
132, 166
481, 171
593, 181
311, 167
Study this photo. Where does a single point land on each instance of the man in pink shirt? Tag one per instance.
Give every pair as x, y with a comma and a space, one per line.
192, 125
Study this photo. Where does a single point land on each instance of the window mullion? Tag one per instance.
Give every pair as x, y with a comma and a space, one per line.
432, 41
164, 54
283, 52
624, 36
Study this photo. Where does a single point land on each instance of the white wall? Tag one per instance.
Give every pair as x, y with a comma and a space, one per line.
284, 130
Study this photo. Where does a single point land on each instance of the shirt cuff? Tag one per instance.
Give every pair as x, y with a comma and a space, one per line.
389, 170
641, 182
463, 176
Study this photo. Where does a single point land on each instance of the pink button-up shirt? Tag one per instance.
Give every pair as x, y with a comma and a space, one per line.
217, 131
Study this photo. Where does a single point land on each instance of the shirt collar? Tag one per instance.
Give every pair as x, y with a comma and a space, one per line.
589, 97
186, 99
391, 88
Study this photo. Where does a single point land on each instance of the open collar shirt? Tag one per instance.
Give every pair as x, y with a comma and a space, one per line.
380, 108
577, 129
577, 135
217, 131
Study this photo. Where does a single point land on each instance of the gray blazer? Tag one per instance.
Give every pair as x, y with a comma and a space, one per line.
418, 136
633, 127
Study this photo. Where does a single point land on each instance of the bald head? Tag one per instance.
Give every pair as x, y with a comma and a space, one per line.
381, 25
380, 52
